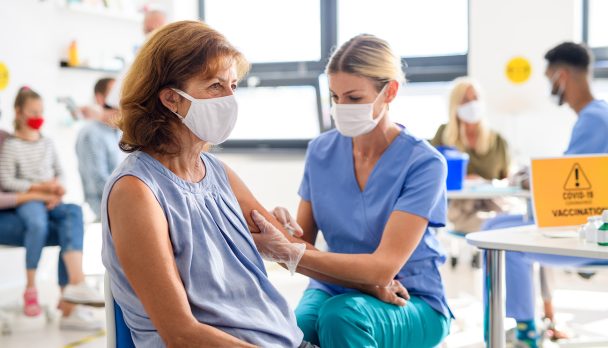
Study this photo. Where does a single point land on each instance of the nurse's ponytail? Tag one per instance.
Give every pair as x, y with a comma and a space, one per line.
367, 56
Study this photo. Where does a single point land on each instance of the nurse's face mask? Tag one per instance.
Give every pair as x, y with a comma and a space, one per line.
353, 120
557, 89
211, 120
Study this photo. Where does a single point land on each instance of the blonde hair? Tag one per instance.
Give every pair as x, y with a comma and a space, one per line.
173, 55
368, 56
454, 131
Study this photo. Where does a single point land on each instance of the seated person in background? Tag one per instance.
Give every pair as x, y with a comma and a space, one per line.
97, 148
467, 131
32, 215
568, 72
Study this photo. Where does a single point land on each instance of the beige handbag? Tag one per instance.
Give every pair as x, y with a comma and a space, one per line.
468, 215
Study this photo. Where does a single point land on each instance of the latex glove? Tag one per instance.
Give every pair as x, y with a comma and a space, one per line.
288, 221
274, 246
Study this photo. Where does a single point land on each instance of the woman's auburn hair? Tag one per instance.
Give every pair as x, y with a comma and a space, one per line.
173, 55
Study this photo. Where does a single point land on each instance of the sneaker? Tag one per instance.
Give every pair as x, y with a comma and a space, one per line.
31, 307
81, 318
83, 294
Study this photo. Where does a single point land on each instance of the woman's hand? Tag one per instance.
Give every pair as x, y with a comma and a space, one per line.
288, 221
394, 293
50, 200
274, 246
53, 187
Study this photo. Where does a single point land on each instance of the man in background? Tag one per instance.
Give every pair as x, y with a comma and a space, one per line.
97, 147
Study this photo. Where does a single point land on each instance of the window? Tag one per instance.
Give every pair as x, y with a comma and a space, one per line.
284, 102
421, 108
413, 28
595, 33
273, 113
598, 26
292, 36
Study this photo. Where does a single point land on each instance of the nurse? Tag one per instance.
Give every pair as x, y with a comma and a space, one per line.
374, 190
568, 73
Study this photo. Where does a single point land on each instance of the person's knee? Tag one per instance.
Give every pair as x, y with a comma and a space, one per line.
340, 314
70, 211
307, 322
35, 218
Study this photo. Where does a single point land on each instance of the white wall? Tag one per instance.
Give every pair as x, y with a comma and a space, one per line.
34, 37
501, 30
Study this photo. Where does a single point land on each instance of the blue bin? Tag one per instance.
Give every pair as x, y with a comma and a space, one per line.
457, 166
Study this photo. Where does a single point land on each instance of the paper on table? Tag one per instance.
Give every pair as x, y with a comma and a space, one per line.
560, 232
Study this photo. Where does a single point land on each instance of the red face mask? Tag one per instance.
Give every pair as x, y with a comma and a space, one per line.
35, 122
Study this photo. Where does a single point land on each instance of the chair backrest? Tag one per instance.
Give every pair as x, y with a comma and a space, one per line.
505, 221
117, 331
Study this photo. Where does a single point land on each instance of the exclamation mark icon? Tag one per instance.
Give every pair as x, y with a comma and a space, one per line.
576, 177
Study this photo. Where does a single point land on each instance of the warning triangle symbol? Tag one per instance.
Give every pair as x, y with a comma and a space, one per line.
577, 179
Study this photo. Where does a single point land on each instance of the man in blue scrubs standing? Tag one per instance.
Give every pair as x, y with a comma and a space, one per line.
568, 70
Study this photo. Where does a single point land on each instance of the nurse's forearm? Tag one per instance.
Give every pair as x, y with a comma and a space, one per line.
367, 269
331, 280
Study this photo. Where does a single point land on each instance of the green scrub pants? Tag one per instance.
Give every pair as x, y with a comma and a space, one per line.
360, 320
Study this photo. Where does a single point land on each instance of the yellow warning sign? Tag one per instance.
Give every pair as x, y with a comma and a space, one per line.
567, 190
577, 180
518, 70
4, 76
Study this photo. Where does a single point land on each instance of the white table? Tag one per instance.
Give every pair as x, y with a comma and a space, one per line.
525, 239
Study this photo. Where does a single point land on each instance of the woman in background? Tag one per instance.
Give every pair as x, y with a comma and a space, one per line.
33, 215
467, 131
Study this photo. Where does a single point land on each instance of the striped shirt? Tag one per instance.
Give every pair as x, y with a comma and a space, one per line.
23, 163
7, 200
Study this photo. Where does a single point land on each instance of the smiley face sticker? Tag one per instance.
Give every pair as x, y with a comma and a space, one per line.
4, 76
518, 70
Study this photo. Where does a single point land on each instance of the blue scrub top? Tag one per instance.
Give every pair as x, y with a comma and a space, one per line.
409, 176
590, 132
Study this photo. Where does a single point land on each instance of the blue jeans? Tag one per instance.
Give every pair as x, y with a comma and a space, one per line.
32, 226
359, 320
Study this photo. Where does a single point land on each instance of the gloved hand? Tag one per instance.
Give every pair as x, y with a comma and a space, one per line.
288, 221
274, 246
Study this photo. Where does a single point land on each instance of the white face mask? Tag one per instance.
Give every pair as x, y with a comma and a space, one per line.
353, 120
471, 112
211, 120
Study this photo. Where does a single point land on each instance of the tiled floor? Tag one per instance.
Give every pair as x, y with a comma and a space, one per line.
581, 305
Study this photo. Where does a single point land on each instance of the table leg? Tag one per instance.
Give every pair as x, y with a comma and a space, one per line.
494, 312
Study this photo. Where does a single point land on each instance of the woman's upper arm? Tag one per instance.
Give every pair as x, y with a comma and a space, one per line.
248, 203
306, 220
141, 238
